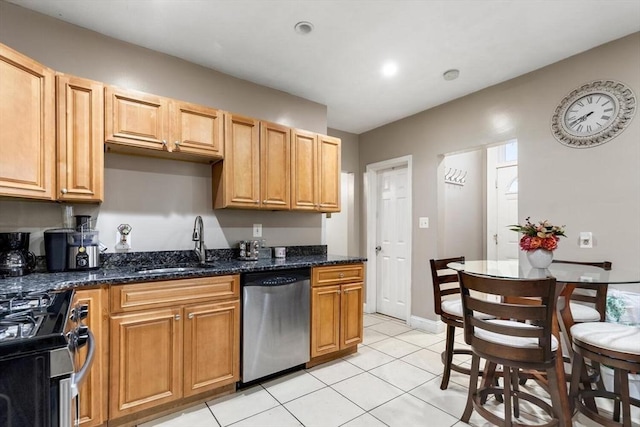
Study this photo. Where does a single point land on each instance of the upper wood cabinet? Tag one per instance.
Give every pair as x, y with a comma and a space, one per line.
80, 146
141, 123
275, 165
136, 119
27, 127
255, 171
236, 181
315, 172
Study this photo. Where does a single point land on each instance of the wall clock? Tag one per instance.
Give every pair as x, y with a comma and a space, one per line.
593, 114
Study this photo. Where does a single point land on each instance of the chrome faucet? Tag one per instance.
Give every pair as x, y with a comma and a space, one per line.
198, 237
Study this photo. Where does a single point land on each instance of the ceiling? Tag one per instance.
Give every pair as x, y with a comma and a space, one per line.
339, 63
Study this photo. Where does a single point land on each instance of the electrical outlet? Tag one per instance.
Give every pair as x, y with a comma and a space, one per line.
423, 222
586, 239
257, 230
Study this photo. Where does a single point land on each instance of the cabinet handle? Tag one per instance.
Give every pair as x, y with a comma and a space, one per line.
177, 317
339, 292
63, 190
346, 291
341, 275
190, 315
257, 202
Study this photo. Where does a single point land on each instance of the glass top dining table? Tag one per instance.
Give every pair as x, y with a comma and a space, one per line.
562, 272
568, 275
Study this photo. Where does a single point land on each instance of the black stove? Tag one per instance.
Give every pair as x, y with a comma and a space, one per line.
32, 322
39, 381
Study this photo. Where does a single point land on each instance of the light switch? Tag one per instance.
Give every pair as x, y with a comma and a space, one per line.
257, 230
586, 239
423, 222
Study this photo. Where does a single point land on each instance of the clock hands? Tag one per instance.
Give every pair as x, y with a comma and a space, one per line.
580, 119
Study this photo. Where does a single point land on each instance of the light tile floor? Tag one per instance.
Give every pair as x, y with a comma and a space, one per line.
393, 380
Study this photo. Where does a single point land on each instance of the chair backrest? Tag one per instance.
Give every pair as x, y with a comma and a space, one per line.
597, 294
445, 280
531, 321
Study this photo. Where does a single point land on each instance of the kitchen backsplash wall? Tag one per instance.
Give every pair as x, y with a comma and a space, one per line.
160, 199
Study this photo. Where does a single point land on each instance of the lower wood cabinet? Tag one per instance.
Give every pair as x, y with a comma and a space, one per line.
93, 392
178, 346
336, 309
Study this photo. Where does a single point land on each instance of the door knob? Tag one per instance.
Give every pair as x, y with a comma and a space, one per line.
378, 249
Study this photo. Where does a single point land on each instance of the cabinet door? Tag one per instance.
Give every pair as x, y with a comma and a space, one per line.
80, 125
304, 171
145, 361
351, 315
27, 127
328, 173
136, 119
237, 179
211, 346
325, 320
93, 392
275, 166
196, 130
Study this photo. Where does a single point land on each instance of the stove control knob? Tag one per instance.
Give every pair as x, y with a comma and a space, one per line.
82, 335
79, 312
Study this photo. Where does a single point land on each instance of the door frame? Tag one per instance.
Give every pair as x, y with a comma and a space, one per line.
371, 207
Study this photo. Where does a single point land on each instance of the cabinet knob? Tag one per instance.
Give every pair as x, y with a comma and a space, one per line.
339, 292
177, 144
341, 275
177, 317
63, 190
164, 144
257, 202
190, 316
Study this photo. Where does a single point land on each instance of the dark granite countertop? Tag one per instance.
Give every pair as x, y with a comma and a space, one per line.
132, 272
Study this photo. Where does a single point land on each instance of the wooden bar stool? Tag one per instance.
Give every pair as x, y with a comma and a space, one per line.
518, 337
614, 345
447, 304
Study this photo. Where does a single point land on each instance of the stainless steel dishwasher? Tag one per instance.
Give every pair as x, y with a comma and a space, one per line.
276, 322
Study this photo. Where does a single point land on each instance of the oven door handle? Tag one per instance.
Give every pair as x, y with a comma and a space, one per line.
77, 378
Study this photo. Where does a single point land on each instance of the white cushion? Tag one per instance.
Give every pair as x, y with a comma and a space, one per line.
454, 307
510, 340
609, 336
584, 313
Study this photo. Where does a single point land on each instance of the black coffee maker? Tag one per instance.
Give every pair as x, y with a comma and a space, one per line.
15, 258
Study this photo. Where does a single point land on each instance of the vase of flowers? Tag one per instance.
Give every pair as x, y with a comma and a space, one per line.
539, 241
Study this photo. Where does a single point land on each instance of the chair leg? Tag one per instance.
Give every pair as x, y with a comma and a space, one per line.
473, 387
617, 380
514, 383
506, 371
625, 398
448, 357
554, 392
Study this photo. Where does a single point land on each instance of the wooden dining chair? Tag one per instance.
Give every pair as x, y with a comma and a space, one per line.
589, 302
515, 335
447, 304
616, 346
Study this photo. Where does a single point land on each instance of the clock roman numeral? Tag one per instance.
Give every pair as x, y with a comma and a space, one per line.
605, 117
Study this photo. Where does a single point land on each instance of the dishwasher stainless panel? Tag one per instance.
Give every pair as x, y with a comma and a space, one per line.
276, 322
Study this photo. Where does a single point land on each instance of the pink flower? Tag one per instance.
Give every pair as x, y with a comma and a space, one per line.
536, 242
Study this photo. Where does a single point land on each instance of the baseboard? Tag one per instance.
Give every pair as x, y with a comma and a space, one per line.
433, 326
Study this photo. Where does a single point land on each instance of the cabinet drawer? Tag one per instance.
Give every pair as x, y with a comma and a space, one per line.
337, 274
173, 292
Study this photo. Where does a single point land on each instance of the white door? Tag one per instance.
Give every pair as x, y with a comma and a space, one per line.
392, 238
507, 212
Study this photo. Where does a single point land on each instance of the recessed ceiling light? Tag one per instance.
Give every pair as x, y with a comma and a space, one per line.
389, 69
451, 74
303, 27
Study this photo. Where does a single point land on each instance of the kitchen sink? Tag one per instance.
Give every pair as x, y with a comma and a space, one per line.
167, 270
